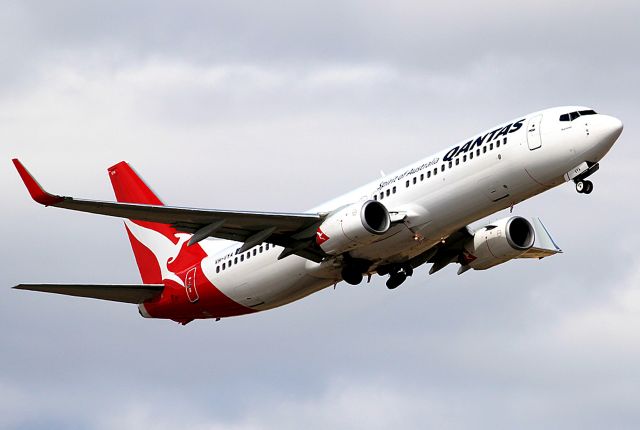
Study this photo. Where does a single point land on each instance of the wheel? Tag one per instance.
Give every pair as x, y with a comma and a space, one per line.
408, 270
351, 276
588, 187
580, 186
395, 280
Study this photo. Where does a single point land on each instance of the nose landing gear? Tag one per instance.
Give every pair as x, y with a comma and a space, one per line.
584, 187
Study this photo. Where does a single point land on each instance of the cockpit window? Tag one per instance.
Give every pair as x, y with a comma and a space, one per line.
573, 115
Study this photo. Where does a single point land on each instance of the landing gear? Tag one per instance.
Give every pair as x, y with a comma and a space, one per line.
397, 275
396, 279
351, 275
584, 187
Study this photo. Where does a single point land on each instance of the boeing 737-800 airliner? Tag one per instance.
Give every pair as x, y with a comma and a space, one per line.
201, 263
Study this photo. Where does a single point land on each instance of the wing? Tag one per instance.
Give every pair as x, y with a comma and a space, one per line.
293, 231
116, 293
544, 245
449, 251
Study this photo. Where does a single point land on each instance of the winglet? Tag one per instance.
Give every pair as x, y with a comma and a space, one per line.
37, 192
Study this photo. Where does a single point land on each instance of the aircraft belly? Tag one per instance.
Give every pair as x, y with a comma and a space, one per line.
265, 286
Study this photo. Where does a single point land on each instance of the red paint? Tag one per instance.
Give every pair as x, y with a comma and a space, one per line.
321, 237
37, 192
175, 302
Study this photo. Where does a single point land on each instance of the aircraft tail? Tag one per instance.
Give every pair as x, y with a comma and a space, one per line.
160, 250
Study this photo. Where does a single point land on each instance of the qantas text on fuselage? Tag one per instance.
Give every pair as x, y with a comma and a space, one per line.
203, 263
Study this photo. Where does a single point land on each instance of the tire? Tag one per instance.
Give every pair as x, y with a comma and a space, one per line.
351, 276
580, 187
396, 280
588, 187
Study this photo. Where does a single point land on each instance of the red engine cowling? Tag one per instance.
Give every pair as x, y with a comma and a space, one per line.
352, 226
498, 242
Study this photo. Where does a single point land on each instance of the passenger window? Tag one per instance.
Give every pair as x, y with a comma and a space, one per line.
450, 164
442, 168
457, 161
464, 158
260, 249
388, 193
255, 251
429, 174
435, 172
498, 144
471, 155
224, 266
381, 196
415, 180
504, 141
421, 176
230, 263
375, 197
241, 257
235, 260
484, 149
478, 152
217, 269
491, 147
394, 190
408, 184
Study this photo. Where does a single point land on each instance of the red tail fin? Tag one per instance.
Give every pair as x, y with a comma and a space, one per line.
160, 250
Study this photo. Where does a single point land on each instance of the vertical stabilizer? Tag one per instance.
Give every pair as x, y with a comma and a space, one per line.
160, 250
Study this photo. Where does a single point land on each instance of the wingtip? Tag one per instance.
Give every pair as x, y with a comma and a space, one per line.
35, 190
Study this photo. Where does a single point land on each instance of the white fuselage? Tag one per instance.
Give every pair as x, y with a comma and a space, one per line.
520, 162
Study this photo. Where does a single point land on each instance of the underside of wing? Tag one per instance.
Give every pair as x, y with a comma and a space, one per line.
114, 292
544, 245
293, 231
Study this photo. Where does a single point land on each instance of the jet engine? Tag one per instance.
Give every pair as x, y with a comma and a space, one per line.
497, 243
352, 226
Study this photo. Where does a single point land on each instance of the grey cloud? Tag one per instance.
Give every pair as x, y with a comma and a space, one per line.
252, 106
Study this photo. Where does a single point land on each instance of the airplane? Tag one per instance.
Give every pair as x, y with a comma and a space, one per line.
202, 263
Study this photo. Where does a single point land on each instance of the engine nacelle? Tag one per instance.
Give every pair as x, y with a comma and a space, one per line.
498, 242
352, 226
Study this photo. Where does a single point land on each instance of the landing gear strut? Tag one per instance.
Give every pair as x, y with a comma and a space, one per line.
584, 186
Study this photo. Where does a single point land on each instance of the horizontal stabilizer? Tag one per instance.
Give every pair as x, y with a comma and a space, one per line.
125, 293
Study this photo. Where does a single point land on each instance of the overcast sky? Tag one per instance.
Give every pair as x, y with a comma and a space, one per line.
262, 106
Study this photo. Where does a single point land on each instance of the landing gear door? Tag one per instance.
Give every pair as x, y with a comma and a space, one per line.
533, 133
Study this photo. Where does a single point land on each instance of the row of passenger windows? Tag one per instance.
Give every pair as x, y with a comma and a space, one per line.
573, 115
245, 255
443, 166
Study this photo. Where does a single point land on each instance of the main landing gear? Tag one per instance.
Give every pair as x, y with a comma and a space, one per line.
397, 274
351, 275
584, 186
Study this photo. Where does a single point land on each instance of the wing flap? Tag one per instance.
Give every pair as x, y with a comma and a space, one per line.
124, 293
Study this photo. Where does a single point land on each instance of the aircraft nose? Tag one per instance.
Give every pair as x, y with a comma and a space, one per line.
611, 128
